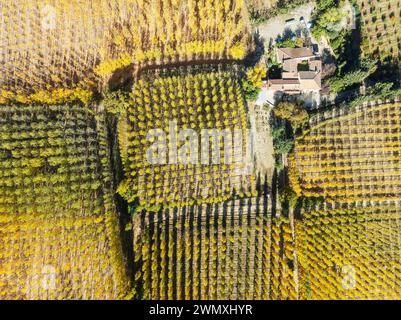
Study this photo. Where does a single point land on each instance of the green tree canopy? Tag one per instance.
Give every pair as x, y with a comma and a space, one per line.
295, 114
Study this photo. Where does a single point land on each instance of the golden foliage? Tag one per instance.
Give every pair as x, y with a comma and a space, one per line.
256, 74
192, 98
350, 253
352, 157
59, 233
207, 252
55, 96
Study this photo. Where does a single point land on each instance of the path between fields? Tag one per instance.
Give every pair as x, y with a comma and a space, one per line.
262, 142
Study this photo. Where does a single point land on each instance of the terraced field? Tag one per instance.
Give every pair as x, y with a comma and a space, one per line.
59, 234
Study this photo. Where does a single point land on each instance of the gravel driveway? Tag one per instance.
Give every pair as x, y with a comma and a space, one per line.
277, 25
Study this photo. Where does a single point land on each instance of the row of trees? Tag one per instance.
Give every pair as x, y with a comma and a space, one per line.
348, 158
380, 22
86, 43
289, 117
54, 96
44, 164
350, 256
155, 33
283, 285
215, 256
357, 75
171, 102
59, 233
43, 259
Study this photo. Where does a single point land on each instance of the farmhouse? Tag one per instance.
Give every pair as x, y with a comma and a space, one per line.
301, 72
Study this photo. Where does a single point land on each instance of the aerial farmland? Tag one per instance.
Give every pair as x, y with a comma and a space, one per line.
200, 150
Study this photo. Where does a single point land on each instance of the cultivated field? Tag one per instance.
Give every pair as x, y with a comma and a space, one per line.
230, 250
352, 158
201, 228
187, 98
59, 234
350, 246
50, 45
380, 27
350, 253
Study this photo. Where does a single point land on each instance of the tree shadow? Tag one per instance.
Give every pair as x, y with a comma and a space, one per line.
254, 57
127, 238
287, 34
